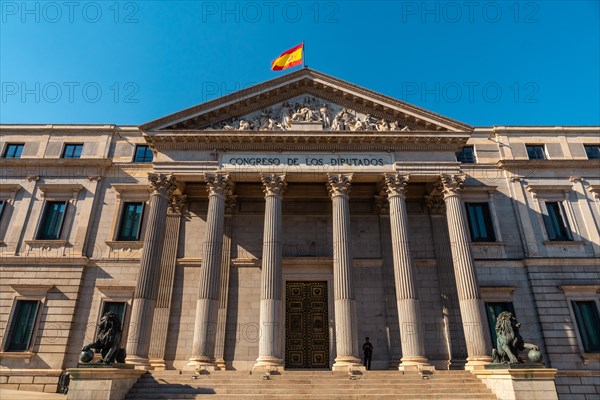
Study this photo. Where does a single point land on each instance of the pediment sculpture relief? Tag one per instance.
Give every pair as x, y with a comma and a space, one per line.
294, 113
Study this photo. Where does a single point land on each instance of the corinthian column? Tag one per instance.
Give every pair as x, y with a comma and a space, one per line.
343, 290
146, 290
472, 309
207, 305
409, 312
269, 346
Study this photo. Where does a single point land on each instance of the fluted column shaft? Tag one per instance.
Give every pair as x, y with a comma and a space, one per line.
160, 326
344, 303
146, 290
472, 310
409, 310
203, 346
269, 345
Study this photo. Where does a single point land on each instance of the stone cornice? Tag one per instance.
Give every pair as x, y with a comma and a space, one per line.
548, 164
295, 140
82, 164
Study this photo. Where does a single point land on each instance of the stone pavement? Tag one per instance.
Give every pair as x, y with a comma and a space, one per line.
24, 395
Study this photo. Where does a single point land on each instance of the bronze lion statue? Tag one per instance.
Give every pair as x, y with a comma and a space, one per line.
509, 341
108, 339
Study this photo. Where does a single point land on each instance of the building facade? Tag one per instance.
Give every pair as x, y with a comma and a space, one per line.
279, 226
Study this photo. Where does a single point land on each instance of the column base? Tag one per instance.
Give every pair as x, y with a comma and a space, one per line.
268, 364
158, 364
138, 362
220, 364
415, 363
200, 364
346, 363
477, 362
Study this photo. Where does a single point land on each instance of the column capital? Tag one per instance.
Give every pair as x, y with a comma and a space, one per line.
177, 205
273, 184
395, 184
230, 203
452, 184
382, 203
436, 204
162, 184
217, 184
339, 184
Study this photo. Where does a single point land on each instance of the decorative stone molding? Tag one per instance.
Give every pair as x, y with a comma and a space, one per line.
217, 184
339, 184
436, 204
162, 184
452, 185
230, 204
96, 178
31, 290
396, 184
273, 185
177, 205
382, 203
32, 178
61, 190
9, 191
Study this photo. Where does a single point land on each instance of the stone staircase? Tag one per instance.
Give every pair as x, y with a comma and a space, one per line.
326, 385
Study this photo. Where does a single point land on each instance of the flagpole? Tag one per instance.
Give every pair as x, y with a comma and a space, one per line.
303, 55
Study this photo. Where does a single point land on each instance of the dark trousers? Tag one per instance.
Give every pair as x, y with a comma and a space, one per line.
368, 361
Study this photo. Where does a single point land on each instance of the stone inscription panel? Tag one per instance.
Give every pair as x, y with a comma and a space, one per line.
297, 162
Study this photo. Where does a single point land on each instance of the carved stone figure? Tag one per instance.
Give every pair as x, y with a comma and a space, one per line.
107, 341
382, 125
325, 117
245, 125
509, 341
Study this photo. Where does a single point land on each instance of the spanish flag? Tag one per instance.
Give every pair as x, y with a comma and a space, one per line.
289, 58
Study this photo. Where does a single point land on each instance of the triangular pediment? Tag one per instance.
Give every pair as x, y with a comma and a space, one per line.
306, 100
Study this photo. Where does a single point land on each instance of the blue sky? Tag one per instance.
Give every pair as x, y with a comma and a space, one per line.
480, 62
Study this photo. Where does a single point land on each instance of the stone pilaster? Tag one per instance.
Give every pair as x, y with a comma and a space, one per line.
160, 327
207, 305
453, 334
269, 345
146, 291
472, 310
409, 310
230, 204
387, 273
345, 305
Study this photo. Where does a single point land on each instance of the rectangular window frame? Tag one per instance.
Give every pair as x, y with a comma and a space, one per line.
543, 153
8, 146
11, 324
122, 217
71, 156
492, 319
44, 215
487, 221
583, 332
592, 151
550, 216
115, 294
144, 160
581, 293
462, 159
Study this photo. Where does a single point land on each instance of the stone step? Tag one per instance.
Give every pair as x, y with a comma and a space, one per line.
301, 389
349, 384
316, 396
311, 381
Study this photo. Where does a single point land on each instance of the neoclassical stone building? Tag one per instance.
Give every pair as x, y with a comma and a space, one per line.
282, 224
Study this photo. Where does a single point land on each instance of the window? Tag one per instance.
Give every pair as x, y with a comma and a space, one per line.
480, 222
2, 202
72, 151
13, 150
535, 152
494, 309
588, 323
592, 151
52, 220
466, 155
555, 222
131, 221
143, 154
23, 322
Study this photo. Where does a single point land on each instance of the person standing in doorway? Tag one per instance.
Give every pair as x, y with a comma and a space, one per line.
368, 351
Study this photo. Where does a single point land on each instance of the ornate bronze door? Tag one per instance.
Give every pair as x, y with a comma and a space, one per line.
306, 325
